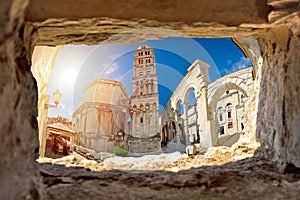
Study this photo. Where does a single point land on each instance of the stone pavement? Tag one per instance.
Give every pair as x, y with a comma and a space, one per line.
251, 178
221, 173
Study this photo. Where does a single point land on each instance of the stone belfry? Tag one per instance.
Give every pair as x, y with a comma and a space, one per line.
144, 102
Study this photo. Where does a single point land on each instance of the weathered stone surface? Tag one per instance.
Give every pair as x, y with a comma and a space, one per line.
18, 96
247, 179
250, 11
278, 113
174, 162
276, 102
43, 59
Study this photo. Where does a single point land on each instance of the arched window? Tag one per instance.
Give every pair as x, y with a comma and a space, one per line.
229, 115
242, 97
220, 113
221, 130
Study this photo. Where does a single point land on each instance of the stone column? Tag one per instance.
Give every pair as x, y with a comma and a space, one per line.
185, 121
149, 87
99, 122
133, 123
155, 87
208, 127
113, 126
84, 127
177, 129
144, 133
43, 123
146, 122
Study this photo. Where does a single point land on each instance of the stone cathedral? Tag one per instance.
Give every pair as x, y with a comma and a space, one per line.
108, 117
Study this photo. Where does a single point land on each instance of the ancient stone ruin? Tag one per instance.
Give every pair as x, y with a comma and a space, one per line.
266, 30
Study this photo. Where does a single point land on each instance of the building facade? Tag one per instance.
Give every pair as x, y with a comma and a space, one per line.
59, 134
217, 117
230, 112
108, 117
144, 131
101, 119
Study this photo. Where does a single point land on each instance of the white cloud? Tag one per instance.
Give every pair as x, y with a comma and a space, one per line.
229, 62
111, 69
242, 63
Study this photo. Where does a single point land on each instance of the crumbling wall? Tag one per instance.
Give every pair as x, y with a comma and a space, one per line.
18, 107
278, 112
277, 101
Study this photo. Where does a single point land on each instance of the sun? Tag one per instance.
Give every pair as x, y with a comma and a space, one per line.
67, 77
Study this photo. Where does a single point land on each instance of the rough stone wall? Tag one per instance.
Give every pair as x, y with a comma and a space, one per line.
18, 107
43, 59
278, 96
278, 113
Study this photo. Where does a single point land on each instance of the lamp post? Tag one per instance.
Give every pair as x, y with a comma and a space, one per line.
43, 136
57, 96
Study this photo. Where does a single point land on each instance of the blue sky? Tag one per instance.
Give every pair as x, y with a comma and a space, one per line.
77, 65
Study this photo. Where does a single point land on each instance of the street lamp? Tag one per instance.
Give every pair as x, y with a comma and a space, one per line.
57, 96
44, 117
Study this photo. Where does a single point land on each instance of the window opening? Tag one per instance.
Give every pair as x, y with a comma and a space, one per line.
229, 115
115, 71
221, 131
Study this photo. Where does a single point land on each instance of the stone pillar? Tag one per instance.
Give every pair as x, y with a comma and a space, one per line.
99, 122
149, 87
113, 125
84, 127
147, 124
44, 100
208, 127
177, 129
133, 123
185, 121
43, 59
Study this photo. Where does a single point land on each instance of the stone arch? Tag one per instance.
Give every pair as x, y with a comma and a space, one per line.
147, 106
178, 108
215, 95
241, 80
196, 77
190, 88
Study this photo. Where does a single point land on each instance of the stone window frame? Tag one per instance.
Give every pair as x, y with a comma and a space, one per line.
220, 114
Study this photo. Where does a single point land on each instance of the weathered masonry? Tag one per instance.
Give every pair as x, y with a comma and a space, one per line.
227, 94
273, 113
143, 132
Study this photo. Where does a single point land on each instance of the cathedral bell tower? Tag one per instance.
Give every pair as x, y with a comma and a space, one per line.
144, 135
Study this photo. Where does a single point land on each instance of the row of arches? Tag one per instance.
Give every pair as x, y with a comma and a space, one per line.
205, 122
180, 121
142, 53
146, 106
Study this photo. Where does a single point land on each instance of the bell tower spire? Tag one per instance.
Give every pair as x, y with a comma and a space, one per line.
144, 102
